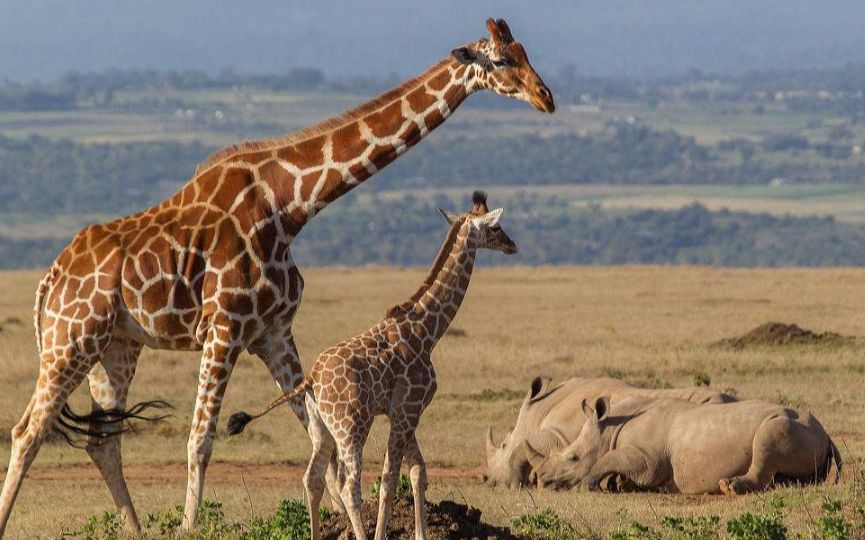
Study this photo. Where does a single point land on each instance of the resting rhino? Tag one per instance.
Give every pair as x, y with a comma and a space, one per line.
685, 447
551, 417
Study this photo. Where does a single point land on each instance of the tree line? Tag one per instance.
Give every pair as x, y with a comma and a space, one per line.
549, 231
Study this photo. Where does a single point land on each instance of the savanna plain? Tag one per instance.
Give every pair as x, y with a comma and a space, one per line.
650, 325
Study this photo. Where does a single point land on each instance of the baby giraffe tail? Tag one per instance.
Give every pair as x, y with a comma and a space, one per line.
237, 422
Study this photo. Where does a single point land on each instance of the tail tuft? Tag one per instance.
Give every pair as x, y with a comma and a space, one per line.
104, 423
238, 422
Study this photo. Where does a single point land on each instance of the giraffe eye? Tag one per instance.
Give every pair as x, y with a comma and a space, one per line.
501, 62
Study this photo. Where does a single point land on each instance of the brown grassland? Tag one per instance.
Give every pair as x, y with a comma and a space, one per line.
647, 324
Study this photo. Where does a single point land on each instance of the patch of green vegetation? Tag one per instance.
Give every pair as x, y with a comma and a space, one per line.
403, 487
701, 378
545, 525
289, 522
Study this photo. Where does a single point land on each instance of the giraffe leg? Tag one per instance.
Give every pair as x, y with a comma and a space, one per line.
221, 349
417, 473
109, 385
349, 445
283, 361
58, 377
323, 447
389, 475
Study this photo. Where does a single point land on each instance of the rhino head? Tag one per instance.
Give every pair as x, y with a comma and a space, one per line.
507, 463
566, 468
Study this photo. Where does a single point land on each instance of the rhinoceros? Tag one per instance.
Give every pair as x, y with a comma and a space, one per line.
679, 446
551, 417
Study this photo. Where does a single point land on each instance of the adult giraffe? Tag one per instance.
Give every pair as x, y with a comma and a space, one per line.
210, 268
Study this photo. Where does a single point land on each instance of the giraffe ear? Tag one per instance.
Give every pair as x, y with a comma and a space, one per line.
449, 217
464, 55
492, 217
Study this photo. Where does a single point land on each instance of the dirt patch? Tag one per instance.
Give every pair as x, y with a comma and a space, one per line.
446, 520
775, 333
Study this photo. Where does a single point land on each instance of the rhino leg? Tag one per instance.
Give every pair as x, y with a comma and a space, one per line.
628, 463
782, 446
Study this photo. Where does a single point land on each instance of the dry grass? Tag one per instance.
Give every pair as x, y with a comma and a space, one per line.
641, 323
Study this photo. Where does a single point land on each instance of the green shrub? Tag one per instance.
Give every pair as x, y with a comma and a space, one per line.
692, 528
636, 531
403, 486
105, 527
701, 378
544, 525
831, 524
750, 526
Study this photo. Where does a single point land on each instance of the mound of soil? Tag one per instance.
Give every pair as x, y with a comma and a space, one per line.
775, 333
445, 521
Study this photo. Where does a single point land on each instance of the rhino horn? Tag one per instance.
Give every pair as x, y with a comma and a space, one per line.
490, 443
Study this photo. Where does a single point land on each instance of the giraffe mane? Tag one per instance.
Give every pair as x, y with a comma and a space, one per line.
326, 126
444, 252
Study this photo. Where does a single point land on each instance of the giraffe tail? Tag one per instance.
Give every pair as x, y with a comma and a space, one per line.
104, 423
44, 285
237, 422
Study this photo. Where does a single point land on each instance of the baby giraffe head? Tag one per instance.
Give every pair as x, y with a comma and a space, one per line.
503, 67
483, 225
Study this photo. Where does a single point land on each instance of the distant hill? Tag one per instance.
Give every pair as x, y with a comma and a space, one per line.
623, 38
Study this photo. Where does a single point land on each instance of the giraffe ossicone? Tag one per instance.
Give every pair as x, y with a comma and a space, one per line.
210, 268
388, 371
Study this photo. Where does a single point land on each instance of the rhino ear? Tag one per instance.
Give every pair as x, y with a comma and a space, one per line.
587, 410
602, 407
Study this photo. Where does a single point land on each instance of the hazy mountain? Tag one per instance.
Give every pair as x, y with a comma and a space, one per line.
43, 38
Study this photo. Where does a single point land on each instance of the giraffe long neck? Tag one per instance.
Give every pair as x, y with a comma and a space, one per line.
440, 297
305, 171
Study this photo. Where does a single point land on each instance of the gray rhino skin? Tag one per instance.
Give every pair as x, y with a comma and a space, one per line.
677, 446
551, 417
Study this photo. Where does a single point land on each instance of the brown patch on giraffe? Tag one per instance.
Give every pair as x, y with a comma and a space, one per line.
307, 184
454, 96
411, 134
382, 155
188, 194
433, 119
381, 123
420, 100
153, 298
304, 154
233, 182
208, 182
439, 81
347, 143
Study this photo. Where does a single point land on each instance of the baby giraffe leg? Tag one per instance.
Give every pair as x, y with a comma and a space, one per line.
314, 480
389, 475
417, 473
352, 459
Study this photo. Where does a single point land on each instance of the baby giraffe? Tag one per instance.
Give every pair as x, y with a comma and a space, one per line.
387, 370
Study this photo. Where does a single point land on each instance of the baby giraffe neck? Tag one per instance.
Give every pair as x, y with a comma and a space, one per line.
442, 298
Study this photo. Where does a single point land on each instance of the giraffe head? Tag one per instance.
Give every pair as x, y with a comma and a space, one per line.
504, 68
483, 225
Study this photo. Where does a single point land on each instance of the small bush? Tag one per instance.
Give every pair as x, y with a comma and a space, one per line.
750, 526
403, 486
831, 524
701, 378
544, 525
692, 528
636, 531
105, 527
